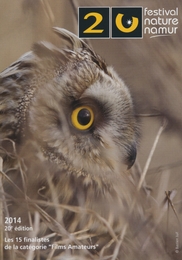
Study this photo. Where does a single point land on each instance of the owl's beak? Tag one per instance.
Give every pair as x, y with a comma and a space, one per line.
132, 153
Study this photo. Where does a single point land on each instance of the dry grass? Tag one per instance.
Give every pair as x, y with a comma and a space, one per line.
41, 220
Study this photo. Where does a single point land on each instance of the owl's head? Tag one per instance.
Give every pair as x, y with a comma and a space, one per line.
77, 108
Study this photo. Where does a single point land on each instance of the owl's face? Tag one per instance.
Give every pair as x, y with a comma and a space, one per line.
83, 114
76, 108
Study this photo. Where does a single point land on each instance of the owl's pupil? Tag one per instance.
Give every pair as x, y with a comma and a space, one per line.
84, 117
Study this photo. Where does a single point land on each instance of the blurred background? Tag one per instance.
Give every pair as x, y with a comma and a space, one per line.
151, 67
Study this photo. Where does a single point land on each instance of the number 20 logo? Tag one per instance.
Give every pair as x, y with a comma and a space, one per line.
96, 22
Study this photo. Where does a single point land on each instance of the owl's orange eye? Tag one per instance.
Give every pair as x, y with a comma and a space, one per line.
82, 117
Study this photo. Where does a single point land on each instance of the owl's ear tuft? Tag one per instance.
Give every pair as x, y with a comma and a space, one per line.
71, 38
48, 50
77, 43
42, 49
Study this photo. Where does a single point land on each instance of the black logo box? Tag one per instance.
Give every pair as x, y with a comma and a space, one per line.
108, 22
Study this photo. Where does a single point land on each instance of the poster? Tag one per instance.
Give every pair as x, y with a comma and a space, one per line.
109, 185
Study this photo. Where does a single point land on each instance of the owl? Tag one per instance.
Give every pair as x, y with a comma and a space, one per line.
69, 136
